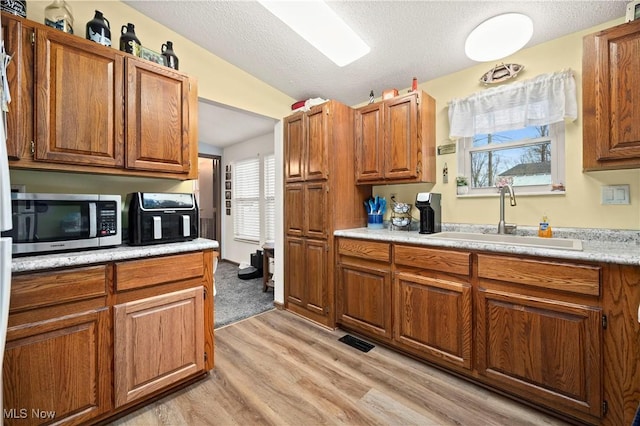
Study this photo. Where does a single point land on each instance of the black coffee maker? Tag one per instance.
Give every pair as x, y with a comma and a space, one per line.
429, 205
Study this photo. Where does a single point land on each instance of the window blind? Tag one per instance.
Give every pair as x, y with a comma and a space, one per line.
246, 200
269, 197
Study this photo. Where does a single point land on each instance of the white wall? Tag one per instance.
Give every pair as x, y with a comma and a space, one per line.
240, 251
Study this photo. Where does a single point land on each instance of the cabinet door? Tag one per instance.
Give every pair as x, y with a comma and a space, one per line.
79, 97
295, 271
317, 145
294, 209
315, 208
364, 298
58, 370
294, 130
157, 110
317, 297
519, 348
158, 341
401, 138
17, 40
611, 88
433, 315
370, 152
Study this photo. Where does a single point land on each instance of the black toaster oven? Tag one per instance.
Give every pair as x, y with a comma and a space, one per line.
155, 218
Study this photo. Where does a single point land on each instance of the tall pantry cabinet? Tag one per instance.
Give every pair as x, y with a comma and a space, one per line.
320, 196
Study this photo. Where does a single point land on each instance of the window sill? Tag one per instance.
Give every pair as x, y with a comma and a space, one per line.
518, 194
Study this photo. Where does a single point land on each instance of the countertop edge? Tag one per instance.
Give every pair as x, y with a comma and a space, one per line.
618, 253
91, 257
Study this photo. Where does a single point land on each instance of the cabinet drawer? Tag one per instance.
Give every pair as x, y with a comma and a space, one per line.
55, 287
159, 270
573, 278
365, 249
454, 262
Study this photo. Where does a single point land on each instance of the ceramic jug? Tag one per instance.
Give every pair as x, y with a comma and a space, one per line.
170, 58
128, 41
99, 30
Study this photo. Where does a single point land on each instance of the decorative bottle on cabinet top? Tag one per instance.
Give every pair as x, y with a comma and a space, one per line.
99, 30
58, 15
128, 41
15, 7
170, 58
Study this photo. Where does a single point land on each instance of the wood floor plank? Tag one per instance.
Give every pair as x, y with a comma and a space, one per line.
279, 369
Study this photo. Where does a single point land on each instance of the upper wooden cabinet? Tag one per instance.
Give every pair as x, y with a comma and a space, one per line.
95, 109
16, 34
157, 111
78, 101
306, 138
611, 95
395, 140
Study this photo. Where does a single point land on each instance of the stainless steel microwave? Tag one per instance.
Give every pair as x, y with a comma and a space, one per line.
55, 222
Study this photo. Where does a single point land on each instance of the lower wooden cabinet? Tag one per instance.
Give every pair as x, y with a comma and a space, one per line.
433, 315
58, 370
529, 327
84, 343
306, 267
539, 331
158, 341
542, 349
364, 287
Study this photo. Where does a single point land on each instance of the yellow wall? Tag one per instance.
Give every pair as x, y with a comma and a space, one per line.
580, 207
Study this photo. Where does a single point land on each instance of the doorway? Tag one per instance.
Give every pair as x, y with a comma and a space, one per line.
208, 193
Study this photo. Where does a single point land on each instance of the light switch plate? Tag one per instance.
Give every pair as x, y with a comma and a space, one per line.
615, 194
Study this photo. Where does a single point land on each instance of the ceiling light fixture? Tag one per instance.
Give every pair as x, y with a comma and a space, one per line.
499, 37
319, 25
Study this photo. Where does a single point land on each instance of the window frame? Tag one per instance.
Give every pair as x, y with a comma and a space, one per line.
269, 200
557, 140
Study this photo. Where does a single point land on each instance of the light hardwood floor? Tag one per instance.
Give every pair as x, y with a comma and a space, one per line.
279, 369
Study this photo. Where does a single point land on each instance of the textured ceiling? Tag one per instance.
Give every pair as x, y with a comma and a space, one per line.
424, 39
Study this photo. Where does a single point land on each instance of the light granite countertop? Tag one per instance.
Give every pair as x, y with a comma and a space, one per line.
122, 252
598, 245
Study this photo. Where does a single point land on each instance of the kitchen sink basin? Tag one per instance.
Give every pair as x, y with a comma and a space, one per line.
508, 239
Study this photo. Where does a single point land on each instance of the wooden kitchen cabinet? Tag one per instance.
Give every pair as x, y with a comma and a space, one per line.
90, 342
16, 34
158, 342
78, 102
539, 332
611, 93
58, 361
320, 195
96, 109
306, 268
395, 140
364, 287
433, 304
157, 115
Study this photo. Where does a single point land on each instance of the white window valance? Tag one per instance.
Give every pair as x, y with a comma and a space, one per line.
545, 99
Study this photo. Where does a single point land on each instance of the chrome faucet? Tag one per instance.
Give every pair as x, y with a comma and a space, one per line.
507, 228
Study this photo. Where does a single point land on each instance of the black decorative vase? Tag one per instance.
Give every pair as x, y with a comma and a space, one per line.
99, 30
170, 58
128, 41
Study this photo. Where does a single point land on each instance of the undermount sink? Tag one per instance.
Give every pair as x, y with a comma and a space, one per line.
508, 239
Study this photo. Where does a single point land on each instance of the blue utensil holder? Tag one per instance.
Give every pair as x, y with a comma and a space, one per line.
375, 221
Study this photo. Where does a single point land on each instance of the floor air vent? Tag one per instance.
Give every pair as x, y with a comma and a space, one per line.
361, 345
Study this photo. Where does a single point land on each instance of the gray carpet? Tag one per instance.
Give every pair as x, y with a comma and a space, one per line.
238, 299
